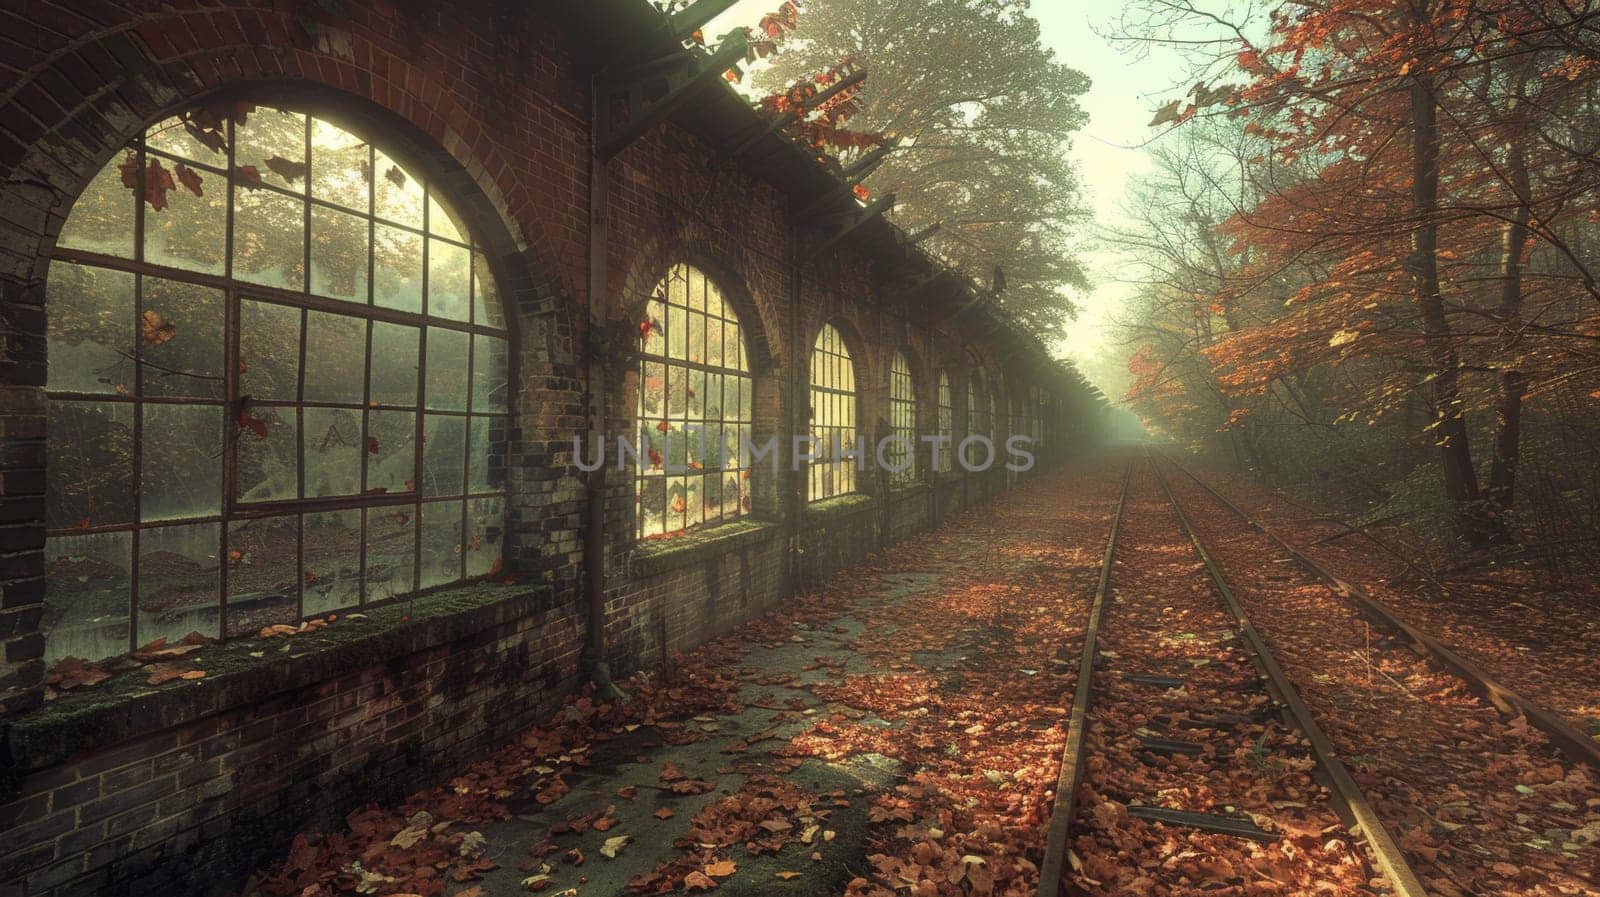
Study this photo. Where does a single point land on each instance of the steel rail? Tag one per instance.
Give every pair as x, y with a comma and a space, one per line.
1391, 861
1066, 802
1569, 739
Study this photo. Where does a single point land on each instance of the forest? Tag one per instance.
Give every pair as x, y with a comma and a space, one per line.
1365, 261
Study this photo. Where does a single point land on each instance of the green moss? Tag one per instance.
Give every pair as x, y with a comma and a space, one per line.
249, 670
658, 556
841, 506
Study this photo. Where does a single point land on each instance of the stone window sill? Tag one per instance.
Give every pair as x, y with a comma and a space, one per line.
657, 556
841, 506
125, 707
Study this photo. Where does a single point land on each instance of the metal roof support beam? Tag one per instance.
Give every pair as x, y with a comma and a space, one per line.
653, 91
853, 175
923, 234
877, 208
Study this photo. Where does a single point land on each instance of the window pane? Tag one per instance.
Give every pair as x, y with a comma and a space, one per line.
263, 573
485, 533
274, 141
86, 595
269, 241
447, 369
397, 269
336, 358
394, 363
442, 221
449, 280
485, 296
191, 232
332, 451
441, 543
486, 451
333, 561
90, 329
399, 195
338, 255
444, 454
179, 582
102, 218
180, 465
488, 373
341, 169
391, 549
391, 451
181, 340
89, 481
267, 467
269, 351
170, 136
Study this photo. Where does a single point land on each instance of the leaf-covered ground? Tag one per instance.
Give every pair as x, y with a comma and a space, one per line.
1479, 801
898, 731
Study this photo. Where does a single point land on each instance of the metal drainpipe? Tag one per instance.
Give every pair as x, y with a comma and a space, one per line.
595, 661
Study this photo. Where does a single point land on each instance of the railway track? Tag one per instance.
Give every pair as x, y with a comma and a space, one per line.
1569, 739
1205, 719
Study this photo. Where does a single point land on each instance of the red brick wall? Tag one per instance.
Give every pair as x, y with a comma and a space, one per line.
490, 99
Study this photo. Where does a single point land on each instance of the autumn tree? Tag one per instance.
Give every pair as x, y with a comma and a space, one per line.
1423, 226
983, 115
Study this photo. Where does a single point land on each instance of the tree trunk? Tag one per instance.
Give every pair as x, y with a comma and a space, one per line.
1513, 382
1450, 425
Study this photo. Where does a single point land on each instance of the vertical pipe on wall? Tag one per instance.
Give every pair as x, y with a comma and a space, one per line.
595, 660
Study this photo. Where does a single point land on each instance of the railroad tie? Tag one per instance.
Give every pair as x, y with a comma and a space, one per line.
1153, 680
1206, 822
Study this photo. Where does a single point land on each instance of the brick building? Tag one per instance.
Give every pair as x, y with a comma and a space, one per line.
239, 229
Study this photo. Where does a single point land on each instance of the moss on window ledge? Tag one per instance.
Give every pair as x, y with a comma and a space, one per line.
908, 490
657, 556
125, 707
840, 506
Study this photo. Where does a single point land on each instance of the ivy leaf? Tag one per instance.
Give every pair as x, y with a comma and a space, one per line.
130, 171
395, 176
154, 329
157, 181
249, 176
288, 169
189, 178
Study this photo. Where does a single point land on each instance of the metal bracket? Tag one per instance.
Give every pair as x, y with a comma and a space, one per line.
877, 208
629, 103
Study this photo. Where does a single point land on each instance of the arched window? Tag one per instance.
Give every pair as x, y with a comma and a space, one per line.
947, 417
833, 416
977, 420
902, 422
277, 386
695, 397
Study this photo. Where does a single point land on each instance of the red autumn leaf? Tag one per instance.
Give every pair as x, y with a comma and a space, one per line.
247, 422
474, 543
130, 171
157, 181
311, 577
372, 445
655, 458
861, 192
83, 523
677, 504
402, 518
249, 176
663, 426
494, 571
189, 178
